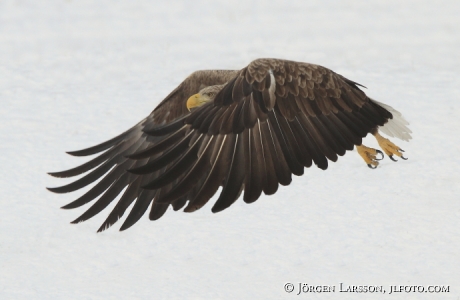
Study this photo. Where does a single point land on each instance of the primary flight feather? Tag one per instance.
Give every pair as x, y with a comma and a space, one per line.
243, 130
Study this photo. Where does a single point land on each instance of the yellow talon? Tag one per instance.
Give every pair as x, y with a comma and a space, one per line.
369, 155
388, 147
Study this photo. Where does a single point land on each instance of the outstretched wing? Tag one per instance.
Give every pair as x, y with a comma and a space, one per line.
272, 119
115, 159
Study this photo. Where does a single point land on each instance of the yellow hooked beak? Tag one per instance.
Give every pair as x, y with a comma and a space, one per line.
194, 101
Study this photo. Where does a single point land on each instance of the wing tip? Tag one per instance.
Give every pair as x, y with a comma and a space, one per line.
69, 206
125, 226
73, 153
58, 174
54, 174
56, 190
218, 208
83, 152
77, 220
104, 227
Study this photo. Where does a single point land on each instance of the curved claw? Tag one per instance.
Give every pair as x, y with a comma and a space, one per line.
391, 157
403, 157
371, 166
379, 152
401, 150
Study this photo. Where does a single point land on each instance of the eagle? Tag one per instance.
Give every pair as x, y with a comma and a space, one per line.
244, 131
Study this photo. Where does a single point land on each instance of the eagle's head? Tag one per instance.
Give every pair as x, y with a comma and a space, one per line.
205, 95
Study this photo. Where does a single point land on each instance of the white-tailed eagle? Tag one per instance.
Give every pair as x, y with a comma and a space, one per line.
243, 130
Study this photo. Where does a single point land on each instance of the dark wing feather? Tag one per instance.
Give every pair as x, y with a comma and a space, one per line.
271, 120
141, 145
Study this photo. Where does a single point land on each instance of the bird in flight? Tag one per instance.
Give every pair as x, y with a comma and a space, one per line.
246, 131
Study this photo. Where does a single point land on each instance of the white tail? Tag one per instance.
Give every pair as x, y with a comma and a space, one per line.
396, 127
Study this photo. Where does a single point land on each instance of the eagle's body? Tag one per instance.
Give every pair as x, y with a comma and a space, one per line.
249, 130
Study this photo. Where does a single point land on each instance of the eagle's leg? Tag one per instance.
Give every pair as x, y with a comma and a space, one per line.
370, 155
388, 147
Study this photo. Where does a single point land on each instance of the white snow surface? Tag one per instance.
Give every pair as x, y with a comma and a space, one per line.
76, 73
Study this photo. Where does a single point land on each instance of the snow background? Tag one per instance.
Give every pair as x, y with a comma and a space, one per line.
76, 73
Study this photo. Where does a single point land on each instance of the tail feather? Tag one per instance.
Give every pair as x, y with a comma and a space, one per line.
396, 127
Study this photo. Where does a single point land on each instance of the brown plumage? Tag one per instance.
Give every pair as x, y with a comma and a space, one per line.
270, 120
